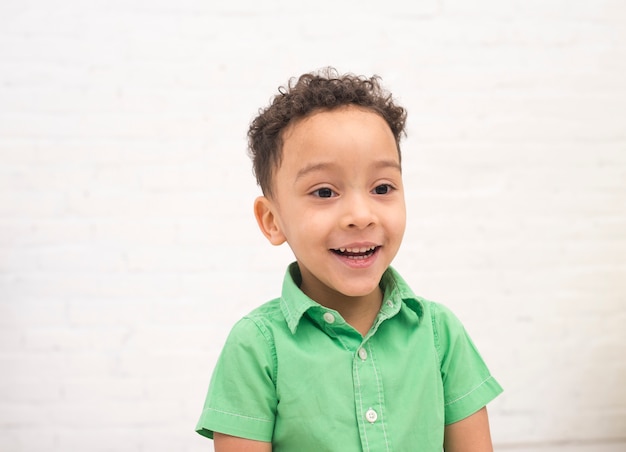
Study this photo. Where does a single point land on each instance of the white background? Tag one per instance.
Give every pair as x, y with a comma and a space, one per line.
128, 246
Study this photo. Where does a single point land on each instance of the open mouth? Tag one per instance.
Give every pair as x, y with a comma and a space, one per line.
356, 253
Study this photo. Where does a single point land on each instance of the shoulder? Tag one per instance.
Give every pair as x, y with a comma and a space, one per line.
439, 314
251, 341
447, 328
260, 322
442, 314
266, 311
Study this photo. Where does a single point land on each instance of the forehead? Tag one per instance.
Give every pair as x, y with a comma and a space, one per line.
345, 131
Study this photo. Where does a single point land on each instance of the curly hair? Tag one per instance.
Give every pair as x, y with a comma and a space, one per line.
312, 92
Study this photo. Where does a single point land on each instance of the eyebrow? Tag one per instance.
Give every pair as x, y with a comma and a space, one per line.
380, 164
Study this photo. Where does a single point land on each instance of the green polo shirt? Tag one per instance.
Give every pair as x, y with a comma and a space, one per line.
294, 373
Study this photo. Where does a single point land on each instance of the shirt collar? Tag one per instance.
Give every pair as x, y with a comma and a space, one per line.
294, 303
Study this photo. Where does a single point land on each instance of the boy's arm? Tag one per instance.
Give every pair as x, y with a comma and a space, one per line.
469, 435
227, 443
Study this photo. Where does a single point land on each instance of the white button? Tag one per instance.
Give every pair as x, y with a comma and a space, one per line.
390, 303
371, 416
329, 317
363, 354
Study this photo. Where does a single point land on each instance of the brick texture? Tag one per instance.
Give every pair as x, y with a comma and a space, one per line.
128, 246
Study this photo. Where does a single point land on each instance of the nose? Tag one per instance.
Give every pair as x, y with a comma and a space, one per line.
359, 212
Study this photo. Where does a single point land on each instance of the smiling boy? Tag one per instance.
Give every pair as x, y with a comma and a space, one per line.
348, 358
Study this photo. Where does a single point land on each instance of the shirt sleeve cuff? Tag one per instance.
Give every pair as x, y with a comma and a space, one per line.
474, 400
234, 424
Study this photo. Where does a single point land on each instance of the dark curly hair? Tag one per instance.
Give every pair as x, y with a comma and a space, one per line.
323, 90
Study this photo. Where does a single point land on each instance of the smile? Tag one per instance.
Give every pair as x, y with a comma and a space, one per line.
356, 253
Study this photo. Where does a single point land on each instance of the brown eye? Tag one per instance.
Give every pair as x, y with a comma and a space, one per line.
382, 189
323, 193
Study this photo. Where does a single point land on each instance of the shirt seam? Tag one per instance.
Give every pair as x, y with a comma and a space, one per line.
433, 317
240, 415
270, 342
470, 391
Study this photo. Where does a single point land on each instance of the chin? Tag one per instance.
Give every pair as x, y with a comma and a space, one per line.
359, 292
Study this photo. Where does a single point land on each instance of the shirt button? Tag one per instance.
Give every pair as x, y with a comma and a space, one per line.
329, 317
363, 354
390, 303
371, 416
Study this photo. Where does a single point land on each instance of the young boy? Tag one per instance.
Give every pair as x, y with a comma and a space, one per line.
348, 358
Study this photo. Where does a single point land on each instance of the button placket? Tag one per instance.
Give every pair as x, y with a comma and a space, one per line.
370, 401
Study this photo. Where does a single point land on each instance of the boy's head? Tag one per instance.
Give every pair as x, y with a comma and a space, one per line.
310, 93
327, 157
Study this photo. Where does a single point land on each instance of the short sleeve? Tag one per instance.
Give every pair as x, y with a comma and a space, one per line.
467, 383
241, 399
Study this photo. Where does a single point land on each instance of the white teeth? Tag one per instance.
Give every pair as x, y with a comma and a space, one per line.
357, 250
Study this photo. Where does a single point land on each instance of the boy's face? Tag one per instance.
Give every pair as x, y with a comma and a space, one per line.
338, 202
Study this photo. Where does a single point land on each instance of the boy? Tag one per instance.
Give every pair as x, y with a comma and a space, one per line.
348, 358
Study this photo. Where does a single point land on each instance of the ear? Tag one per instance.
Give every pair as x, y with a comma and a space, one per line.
268, 221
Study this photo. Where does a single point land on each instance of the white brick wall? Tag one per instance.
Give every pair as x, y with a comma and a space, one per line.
125, 202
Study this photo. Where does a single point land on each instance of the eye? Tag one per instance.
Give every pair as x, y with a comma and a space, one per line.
324, 193
382, 189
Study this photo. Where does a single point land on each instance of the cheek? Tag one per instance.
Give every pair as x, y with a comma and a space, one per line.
313, 224
398, 224
399, 228
303, 224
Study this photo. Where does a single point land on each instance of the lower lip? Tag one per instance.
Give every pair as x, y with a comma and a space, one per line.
360, 262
